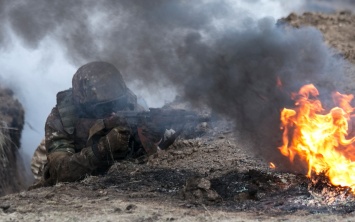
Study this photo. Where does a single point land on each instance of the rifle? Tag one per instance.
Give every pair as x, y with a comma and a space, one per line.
151, 125
161, 118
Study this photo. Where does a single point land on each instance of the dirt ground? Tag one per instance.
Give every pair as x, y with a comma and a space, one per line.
209, 178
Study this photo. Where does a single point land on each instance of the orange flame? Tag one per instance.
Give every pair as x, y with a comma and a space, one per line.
272, 165
320, 140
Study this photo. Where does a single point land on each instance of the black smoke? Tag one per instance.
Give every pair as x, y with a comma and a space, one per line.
211, 54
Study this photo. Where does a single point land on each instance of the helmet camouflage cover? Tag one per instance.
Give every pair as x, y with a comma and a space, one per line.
100, 84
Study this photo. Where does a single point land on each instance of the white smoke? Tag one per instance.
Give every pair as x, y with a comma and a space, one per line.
35, 76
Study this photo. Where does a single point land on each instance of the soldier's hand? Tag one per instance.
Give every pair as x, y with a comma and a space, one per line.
114, 121
115, 143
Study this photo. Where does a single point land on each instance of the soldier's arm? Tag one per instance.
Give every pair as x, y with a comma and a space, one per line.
64, 165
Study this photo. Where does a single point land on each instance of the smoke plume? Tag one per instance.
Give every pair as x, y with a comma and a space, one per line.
214, 53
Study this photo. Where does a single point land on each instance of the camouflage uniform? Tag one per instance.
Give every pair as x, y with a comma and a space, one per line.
71, 152
67, 143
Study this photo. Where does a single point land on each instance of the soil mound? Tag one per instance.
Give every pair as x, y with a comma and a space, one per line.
11, 125
338, 29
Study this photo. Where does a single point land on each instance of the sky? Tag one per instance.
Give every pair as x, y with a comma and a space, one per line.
43, 44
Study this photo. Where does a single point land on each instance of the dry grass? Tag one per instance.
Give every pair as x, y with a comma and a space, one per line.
5, 145
7, 161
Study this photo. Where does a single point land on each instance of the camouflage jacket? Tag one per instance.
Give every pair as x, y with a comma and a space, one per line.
64, 130
69, 148
69, 153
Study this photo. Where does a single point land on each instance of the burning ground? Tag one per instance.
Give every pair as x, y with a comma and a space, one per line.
219, 175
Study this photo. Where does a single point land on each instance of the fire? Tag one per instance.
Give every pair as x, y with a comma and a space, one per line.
319, 139
272, 165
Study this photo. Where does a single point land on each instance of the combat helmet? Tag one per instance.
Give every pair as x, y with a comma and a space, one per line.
99, 89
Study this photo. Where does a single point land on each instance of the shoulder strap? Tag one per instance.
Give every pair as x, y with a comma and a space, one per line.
67, 110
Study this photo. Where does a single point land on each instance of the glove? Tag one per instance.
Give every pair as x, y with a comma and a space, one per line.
114, 121
68, 167
114, 145
52, 170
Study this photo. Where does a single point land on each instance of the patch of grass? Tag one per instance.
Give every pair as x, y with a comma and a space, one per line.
5, 145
